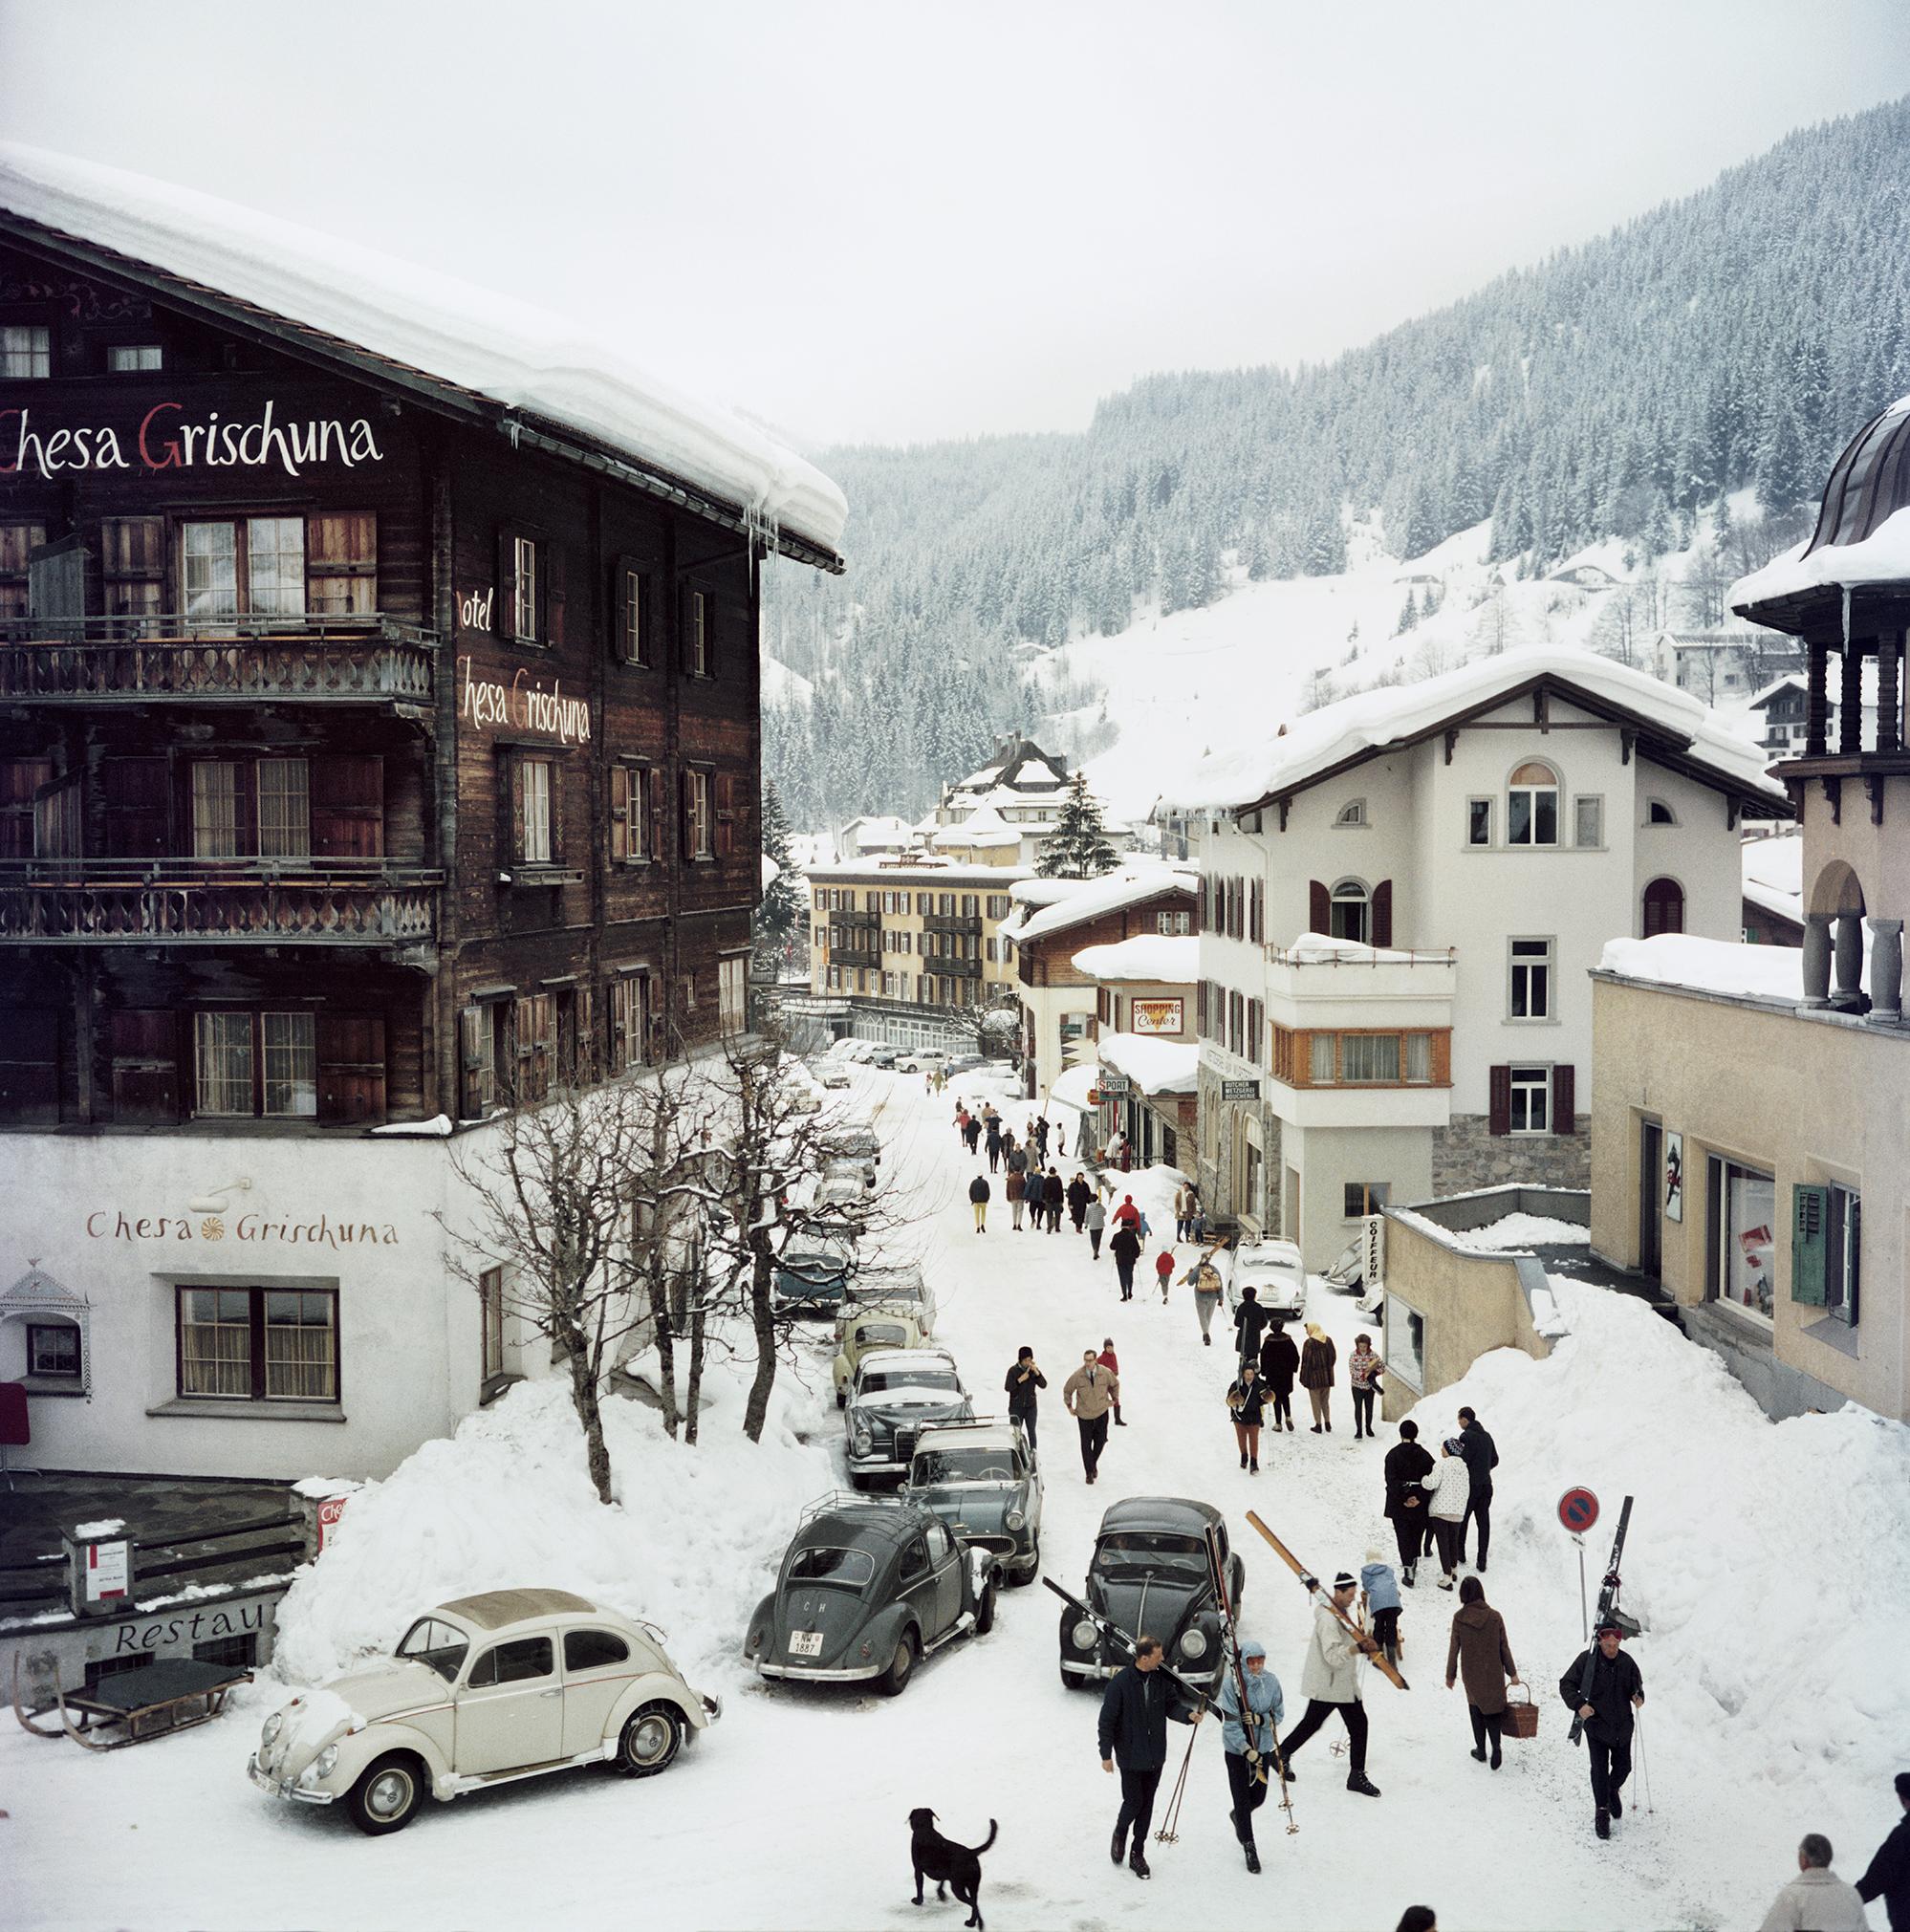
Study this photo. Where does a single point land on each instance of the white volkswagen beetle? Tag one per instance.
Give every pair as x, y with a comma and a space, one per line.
505, 1685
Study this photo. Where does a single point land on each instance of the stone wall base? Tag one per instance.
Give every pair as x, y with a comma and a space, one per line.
1467, 1156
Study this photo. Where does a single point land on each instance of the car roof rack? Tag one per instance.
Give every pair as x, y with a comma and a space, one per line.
832, 1500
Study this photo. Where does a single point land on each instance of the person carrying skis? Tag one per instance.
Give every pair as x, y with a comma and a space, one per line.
1249, 1323
1243, 1400
1279, 1364
1606, 1703
1330, 1684
1406, 1465
1266, 1707
1135, 1709
1125, 1248
1096, 1217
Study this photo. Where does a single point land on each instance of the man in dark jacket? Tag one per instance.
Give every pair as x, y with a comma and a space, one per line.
1249, 1323
1279, 1364
1125, 1248
1031, 1197
977, 1197
1079, 1194
1482, 1458
1615, 1691
1889, 1875
1406, 1463
1023, 1379
1135, 1709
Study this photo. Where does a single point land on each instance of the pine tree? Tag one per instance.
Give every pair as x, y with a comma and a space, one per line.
1078, 848
779, 911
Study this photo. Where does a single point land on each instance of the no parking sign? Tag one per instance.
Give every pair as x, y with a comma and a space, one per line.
1579, 1510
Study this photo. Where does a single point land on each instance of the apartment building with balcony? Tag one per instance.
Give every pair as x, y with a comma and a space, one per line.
378, 748
1401, 895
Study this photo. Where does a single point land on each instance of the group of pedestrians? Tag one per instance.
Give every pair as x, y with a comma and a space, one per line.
1432, 1503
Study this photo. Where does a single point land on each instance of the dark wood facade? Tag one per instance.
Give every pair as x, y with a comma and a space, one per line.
420, 756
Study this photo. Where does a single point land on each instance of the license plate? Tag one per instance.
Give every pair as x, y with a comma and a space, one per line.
806, 1643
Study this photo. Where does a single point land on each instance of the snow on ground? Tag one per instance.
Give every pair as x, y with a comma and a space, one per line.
1512, 1232
1769, 1564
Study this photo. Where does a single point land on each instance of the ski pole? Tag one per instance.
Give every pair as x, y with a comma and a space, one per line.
1644, 1777
1169, 1832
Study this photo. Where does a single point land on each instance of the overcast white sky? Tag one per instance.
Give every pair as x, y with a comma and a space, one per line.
890, 222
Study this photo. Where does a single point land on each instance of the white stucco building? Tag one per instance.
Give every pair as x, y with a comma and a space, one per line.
1401, 897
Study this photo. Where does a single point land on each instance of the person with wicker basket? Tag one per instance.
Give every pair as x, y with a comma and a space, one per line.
1478, 1652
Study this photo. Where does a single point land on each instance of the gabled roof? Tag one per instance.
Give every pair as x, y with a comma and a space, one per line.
1126, 885
464, 350
1020, 765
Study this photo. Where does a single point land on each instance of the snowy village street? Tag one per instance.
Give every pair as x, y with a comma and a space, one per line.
791, 1811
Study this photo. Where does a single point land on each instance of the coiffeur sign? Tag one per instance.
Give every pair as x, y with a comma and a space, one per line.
522, 706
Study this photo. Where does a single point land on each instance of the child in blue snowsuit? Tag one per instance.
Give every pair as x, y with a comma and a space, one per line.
1382, 1602
1268, 1708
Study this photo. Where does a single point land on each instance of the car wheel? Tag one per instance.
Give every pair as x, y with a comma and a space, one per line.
985, 1611
651, 1739
1069, 1682
386, 1796
1034, 1569
894, 1680
841, 1399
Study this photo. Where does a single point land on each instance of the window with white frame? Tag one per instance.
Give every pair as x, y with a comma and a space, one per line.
1369, 1058
1531, 1101
534, 775
215, 809
26, 352
1479, 821
490, 1304
522, 589
732, 993
1588, 822
1843, 1252
700, 660
1531, 806
285, 808
1350, 906
1174, 923
278, 1078
276, 565
701, 818
1530, 997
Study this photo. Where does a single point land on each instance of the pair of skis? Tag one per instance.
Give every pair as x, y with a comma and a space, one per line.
1237, 1670
1381, 1663
1608, 1612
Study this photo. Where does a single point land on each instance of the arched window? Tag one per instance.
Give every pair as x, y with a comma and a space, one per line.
1352, 813
1531, 806
1658, 813
1663, 907
1351, 910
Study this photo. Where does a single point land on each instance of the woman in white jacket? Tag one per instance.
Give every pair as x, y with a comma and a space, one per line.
1451, 1483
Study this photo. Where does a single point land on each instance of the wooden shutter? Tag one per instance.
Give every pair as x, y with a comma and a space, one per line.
1499, 1090
686, 814
1201, 1008
30, 1065
620, 813
1663, 907
347, 807
1565, 1099
20, 780
476, 1061
1809, 1243
726, 815
350, 1066
1382, 913
516, 805
132, 559
143, 1047
651, 787
342, 563
133, 791
1319, 906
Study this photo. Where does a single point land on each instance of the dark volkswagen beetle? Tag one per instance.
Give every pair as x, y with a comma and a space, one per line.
1150, 1576
866, 1591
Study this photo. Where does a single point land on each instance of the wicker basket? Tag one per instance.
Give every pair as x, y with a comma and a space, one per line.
1521, 1720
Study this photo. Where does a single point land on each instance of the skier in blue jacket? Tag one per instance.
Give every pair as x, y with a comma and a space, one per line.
1268, 1708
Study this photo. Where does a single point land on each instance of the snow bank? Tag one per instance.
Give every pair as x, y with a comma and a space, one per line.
1718, 965
506, 1502
1154, 1066
1170, 959
1514, 1233
522, 356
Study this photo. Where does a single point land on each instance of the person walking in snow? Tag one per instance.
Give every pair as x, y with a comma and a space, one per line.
1316, 1360
1608, 1709
1250, 1324
978, 1198
1088, 1394
1017, 1155
1380, 1596
1887, 1876
1478, 1652
1041, 1134
1135, 1709
1207, 1287
1330, 1684
1031, 1196
1482, 1458
1015, 1187
1265, 1709
1127, 1213
1183, 1209
994, 1142
1021, 1384
1816, 1900
961, 1122
972, 1132
1279, 1364
1109, 1361
1363, 1370
1054, 1198
1244, 1399
1406, 1465
1448, 1485
1125, 1248
1079, 1194
1163, 1271
1096, 1217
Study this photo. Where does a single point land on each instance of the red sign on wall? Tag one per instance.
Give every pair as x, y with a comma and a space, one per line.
330, 1511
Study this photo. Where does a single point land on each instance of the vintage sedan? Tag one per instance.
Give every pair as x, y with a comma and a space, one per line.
814, 1271
1277, 1273
980, 1478
854, 1144
865, 1332
898, 1393
879, 1286
866, 1591
1150, 1576
507, 1685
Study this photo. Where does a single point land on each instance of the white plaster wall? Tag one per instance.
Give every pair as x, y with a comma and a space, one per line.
1312, 847
1328, 1158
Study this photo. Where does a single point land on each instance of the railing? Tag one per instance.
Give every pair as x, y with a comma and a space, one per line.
366, 659
386, 908
1363, 959
951, 922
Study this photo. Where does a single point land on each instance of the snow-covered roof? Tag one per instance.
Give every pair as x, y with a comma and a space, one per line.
495, 346
1786, 905
1713, 965
983, 828
1789, 682
1319, 948
1881, 557
1717, 640
1126, 885
1777, 863
911, 869
1371, 721
1154, 1066
878, 831
1167, 959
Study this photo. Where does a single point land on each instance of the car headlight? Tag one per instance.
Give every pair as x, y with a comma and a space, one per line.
1194, 1643
864, 1442
273, 1724
1084, 1634
1014, 1520
326, 1761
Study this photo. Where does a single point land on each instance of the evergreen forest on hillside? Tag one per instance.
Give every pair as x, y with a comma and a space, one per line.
1735, 338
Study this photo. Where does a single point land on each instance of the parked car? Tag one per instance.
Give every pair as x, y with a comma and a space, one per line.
965, 1063
836, 1079
894, 1395
866, 1591
840, 1193
1278, 1274
921, 1060
812, 1273
1150, 1574
981, 1479
853, 1143
882, 1057
1348, 1276
805, 1097
859, 1174
891, 1288
481, 1692
864, 1331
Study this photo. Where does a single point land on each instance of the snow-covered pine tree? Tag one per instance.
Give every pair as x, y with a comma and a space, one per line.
780, 909
1078, 846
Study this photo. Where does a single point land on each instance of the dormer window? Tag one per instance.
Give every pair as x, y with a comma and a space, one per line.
1658, 813
1352, 813
1531, 806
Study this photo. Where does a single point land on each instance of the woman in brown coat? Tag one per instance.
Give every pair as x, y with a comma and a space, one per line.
1316, 1360
1480, 1654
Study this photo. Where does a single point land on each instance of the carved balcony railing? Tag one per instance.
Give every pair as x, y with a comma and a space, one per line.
196, 659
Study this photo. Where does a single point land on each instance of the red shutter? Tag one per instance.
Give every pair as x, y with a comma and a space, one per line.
1319, 907
1382, 913
620, 813
1499, 1089
1565, 1099
350, 1066
347, 808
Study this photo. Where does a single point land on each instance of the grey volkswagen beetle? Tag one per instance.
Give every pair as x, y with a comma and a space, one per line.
866, 1591
981, 1479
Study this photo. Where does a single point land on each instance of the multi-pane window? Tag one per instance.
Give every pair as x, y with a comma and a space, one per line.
699, 641
211, 552
258, 1344
1532, 979
1361, 1198
534, 1025
127, 358
1531, 1101
490, 1305
631, 802
629, 1021
1588, 816
633, 633
1531, 806
246, 1064
1843, 1253
522, 589
222, 1044
1479, 821
535, 776
285, 808
26, 352
215, 1342
1369, 1057
732, 993
301, 1345
291, 1064
699, 786
215, 809
1177, 923
481, 1031
53, 1349
223, 824
1350, 906
276, 565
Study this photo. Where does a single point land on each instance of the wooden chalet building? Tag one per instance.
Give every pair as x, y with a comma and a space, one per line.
376, 748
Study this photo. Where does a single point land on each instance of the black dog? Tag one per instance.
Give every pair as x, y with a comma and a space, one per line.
947, 1863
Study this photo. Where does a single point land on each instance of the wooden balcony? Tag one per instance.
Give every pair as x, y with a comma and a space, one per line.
175, 902
235, 660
